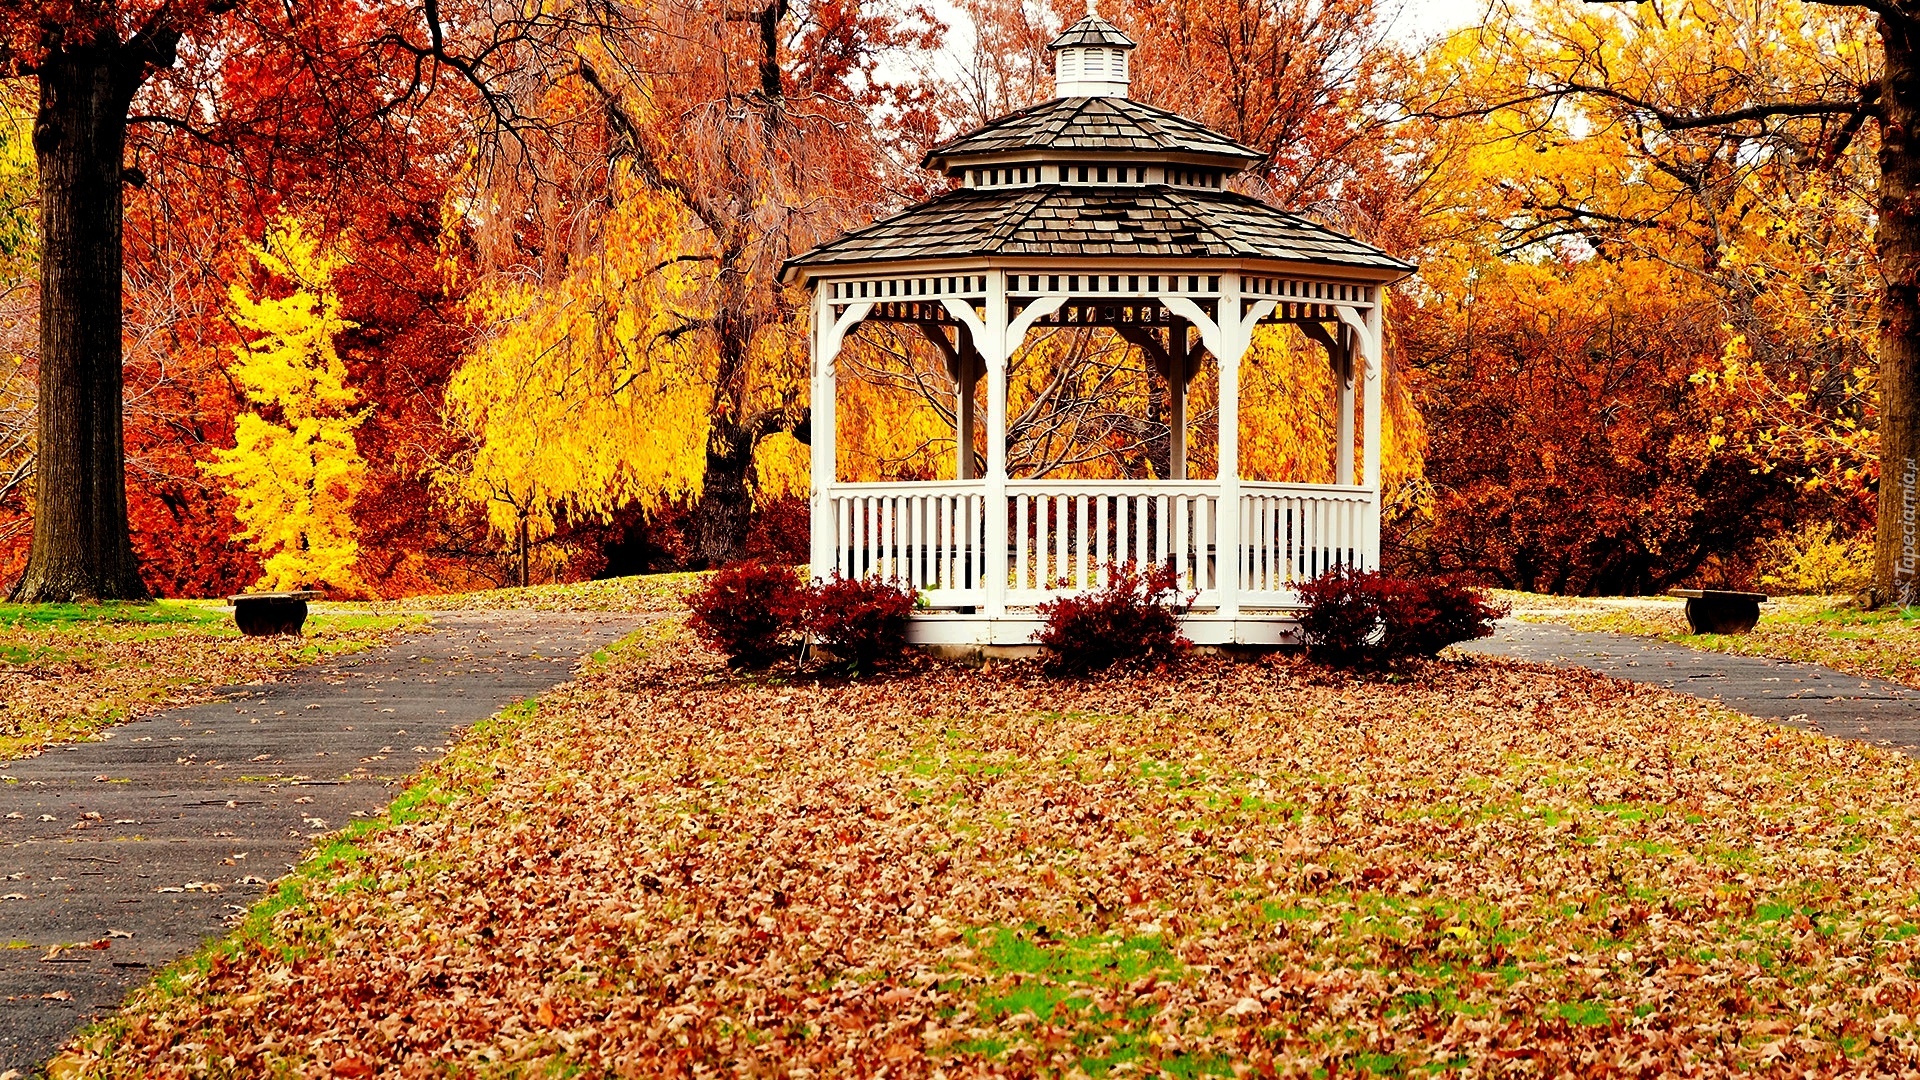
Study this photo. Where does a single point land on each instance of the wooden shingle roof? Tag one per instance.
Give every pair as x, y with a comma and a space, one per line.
1092, 31
1154, 222
1103, 125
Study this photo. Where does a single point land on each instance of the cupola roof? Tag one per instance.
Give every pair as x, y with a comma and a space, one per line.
1072, 128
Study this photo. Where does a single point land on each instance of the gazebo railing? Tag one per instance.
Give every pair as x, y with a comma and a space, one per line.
1065, 533
1061, 535
928, 534
1293, 533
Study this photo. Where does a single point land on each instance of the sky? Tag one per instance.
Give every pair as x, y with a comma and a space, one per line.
1419, 19
1411, 20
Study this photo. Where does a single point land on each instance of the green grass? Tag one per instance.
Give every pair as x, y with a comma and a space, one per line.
89, 666
198, 613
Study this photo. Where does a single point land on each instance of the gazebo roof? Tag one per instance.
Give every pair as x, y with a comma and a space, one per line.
1092, 31
1102, 125
1155, 222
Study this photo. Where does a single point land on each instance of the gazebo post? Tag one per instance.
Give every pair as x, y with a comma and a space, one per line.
993, 346
1343, 439
1179, 370
1375, 347
963, 410
828, 335
1236, 335
821, 432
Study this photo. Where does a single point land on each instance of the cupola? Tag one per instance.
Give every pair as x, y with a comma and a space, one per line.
1090, 59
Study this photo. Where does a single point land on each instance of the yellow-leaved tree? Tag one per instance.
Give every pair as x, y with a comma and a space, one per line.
590, 392
295, 469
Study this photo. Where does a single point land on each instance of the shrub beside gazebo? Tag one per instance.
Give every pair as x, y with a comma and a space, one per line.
1095, 210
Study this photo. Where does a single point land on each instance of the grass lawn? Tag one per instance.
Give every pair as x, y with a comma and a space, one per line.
1489, 868
67, 670
1815, 629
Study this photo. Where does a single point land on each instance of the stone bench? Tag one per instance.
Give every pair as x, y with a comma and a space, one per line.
1721, 611
261, 614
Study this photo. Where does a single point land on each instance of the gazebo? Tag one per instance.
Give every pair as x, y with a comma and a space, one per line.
1095, 210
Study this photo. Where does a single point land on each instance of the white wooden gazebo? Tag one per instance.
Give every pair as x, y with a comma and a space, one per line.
1096, 210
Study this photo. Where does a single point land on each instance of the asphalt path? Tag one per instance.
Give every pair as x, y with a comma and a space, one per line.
123, 854
1805, 696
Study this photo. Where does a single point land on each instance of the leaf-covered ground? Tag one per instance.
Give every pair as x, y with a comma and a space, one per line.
1492, 869
1827, 630
647, 592
67, 670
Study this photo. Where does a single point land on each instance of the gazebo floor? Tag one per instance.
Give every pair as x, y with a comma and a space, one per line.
1258, 629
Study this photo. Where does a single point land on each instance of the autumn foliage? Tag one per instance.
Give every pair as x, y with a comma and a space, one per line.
1133, 618
1371, 620
1633, 356
750, 612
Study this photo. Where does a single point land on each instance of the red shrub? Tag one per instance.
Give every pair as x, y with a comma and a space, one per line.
1344, 617
1134, 617
862, 621
1429, 615
750, 611
1367, 619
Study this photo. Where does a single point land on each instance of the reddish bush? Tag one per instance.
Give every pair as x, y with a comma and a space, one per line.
1424, 617
862, 621
749, 611
1134, 617
1367, 619
1343, 618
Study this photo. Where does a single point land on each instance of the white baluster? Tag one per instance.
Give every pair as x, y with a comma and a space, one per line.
1180, 510
1082, 576
1101, 555
1020, 542
1062, 552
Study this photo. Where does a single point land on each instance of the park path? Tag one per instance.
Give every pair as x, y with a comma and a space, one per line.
1805, 696
151, 839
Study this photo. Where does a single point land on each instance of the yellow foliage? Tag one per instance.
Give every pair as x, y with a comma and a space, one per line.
295, 478
590, 392
1816, 562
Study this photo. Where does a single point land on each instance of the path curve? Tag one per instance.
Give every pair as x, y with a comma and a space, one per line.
1805, 696
170, 825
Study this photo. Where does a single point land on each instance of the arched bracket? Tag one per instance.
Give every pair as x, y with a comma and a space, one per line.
1225, 343
1356, 320
836, 334
963, 313
1032, 313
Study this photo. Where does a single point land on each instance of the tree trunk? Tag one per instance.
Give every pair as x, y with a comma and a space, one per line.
725, 511
81, 549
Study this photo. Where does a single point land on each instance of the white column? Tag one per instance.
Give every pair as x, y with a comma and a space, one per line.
1236, 335
828, 334
1179, 366
1343, 365
993, 345
822, 528
963, 412
1375, 374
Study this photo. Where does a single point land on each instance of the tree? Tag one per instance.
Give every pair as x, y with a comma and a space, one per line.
296, 473
1755, 146
1637, 350
88, 69
754, 126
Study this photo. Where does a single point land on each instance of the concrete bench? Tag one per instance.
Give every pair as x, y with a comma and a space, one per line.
261, 614
1721, 611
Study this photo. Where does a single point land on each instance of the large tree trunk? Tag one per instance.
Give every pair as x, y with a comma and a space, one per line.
725, 511
81, 548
